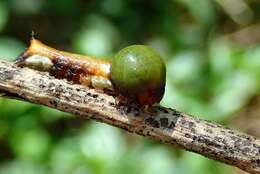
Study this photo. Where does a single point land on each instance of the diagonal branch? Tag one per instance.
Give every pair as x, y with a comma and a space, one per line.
163, 124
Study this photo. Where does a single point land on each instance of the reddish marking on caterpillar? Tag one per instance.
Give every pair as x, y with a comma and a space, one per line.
73, 67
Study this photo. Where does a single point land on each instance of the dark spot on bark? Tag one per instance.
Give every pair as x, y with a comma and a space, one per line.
230, 151
197, 121
246, 137
128, 110
6, 75
59, 89
111, 103
95, 95
54, 103
209, 124
246, 149
257, 147
187, 124
86, 97
194, 138
206, 140
154, 111
51, 85
69, 89
221, 140
77, 113
193, 130
87, 100
176, 113
148, 133
163, 110
230, 132
152, 122
67, 98
42, 84
191, 124
136, 114
96, 100
256, 161
208, 131
76, 97
238, 143
173, 142
121, 109
172, 125
164, 122
187, 135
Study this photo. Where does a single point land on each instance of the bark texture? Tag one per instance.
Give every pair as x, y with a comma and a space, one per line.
164, 124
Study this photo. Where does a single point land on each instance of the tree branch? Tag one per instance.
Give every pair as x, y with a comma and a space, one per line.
163, 124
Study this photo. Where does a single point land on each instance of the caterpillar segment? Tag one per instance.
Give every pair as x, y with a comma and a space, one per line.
80, 69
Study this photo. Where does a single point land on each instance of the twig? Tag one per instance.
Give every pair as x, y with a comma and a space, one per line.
247, 36
163, 124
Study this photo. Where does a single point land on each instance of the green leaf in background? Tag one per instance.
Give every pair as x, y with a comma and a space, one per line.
10, 48
3, 15
97, 37
220, 57
23, 166
102, 143
7, 106
30, 144
29, 6
158, 160
161, 45
113, 7
185, 66
251, 63
195, 163
234, 92
67, 158
202, 10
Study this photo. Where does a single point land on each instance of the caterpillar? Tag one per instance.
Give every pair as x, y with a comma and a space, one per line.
136, 73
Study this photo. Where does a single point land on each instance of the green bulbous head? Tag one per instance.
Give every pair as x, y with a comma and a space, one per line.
138, 71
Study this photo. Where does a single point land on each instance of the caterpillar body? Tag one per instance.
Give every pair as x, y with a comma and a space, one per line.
136, 73
73, 67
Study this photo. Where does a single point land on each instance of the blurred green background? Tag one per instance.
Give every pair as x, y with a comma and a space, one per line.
212, 52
